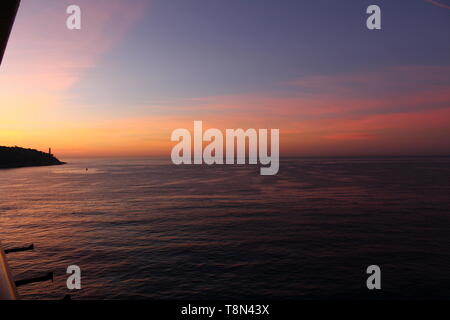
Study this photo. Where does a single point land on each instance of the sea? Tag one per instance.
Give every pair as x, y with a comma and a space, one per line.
144, 228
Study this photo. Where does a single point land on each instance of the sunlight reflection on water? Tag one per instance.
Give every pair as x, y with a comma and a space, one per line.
147, 229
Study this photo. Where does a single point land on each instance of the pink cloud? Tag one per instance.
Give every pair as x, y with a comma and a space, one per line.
390, 89
439, 4
44, 59
43, 52
341, 114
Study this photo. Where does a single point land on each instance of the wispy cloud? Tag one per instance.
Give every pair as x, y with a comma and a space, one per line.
439, 4
44, 59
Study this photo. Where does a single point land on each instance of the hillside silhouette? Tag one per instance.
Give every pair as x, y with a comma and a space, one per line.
16, 157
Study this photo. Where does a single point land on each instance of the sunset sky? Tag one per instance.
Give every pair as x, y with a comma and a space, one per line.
140, 69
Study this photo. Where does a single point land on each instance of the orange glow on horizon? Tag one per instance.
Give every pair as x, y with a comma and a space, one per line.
326, 115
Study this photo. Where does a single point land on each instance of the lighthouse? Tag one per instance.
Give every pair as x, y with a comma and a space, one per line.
50, 151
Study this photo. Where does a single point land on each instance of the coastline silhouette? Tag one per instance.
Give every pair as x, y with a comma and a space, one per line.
16, 157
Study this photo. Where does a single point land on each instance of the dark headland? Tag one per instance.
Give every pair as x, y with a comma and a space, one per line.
15, 157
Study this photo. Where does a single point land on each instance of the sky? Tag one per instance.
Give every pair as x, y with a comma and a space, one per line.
137, 70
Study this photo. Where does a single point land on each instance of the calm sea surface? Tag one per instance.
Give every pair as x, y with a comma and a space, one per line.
147, 229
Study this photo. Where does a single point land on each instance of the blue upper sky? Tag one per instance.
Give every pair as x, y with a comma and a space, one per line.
196, 48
